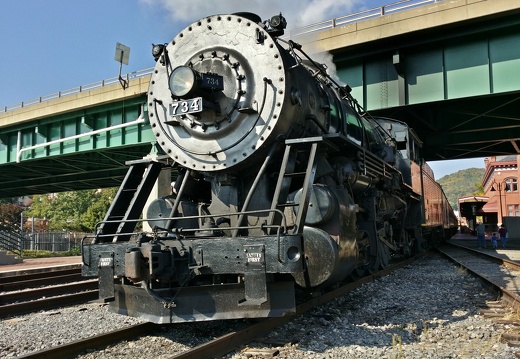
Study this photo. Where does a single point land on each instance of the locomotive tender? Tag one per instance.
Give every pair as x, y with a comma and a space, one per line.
283, 182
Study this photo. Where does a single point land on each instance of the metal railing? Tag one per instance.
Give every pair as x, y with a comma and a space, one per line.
52, 241
11, 241
360, 16
57, 241
77, 89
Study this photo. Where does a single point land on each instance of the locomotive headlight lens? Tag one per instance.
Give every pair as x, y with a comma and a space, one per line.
182, 81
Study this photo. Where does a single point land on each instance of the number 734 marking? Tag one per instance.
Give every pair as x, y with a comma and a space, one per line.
186, 106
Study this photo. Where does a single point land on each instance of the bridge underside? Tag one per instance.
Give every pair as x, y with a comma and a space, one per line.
456, 85
464, 128
82, 149
85, 170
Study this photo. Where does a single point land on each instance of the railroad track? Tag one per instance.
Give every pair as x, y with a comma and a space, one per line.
44, 290
502, 274
221, 345
37, 279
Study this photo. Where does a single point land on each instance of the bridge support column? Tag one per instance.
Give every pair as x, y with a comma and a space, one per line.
398, 62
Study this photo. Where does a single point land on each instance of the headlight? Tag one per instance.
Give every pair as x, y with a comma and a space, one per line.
182, 81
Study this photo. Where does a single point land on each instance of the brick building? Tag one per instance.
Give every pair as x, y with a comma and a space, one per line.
500, 184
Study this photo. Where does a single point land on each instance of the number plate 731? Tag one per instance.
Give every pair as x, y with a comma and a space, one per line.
186, 106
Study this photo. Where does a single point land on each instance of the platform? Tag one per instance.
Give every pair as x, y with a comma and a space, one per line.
511, 252
34, 265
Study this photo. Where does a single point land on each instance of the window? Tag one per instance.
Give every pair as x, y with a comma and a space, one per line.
511, 185
354, 129
513, 210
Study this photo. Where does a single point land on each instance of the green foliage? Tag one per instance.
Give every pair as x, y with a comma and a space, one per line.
29, 253
10, 216
479, 190
463, 183
73, 211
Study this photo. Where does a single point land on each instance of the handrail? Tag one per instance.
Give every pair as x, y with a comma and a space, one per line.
77, 89
11, 241
19, 149
360, 16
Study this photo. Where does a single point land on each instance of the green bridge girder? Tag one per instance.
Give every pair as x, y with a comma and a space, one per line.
458, 87
86, 162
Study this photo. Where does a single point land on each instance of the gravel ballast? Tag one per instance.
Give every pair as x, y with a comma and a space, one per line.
426, 310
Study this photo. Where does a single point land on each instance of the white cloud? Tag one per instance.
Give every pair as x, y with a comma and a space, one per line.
297, 12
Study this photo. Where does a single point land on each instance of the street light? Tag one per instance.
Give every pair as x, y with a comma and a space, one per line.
501, 186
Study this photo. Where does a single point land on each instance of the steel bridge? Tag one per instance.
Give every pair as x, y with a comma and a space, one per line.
450, 69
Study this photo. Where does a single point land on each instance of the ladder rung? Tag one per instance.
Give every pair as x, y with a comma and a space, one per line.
112, 218
294, 174
288, 204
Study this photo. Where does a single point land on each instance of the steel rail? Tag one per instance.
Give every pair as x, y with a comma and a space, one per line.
97, 341
503, 261
47, 303
228, 342
37, 293
221, 345
40, 273
508, 297
33, 283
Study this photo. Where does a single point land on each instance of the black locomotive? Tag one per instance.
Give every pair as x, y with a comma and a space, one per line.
281, 181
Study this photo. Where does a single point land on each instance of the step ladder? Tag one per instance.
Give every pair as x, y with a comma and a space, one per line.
286, 175
129, 202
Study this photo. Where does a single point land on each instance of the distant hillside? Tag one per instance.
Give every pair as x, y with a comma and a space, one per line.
461, 184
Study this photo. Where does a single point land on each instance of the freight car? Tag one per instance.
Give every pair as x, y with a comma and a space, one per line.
283, 182
438, 218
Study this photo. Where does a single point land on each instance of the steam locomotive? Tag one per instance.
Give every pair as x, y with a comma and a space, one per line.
282, 183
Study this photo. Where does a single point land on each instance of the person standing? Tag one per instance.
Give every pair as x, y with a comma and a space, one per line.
494, 240
481, 235
502, 231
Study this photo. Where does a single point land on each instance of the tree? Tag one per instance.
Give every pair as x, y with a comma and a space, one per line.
73, 211
461, 184
96, 212
10, 216
479, 190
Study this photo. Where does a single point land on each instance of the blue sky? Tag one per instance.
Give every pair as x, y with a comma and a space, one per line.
54, 45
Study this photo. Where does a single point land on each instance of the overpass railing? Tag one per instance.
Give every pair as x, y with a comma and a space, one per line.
11, 241
360, 16
77, 89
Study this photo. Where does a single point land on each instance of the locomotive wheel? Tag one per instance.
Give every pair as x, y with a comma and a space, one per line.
407, 248
384, 255
374, 264
363, 248
358, 273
